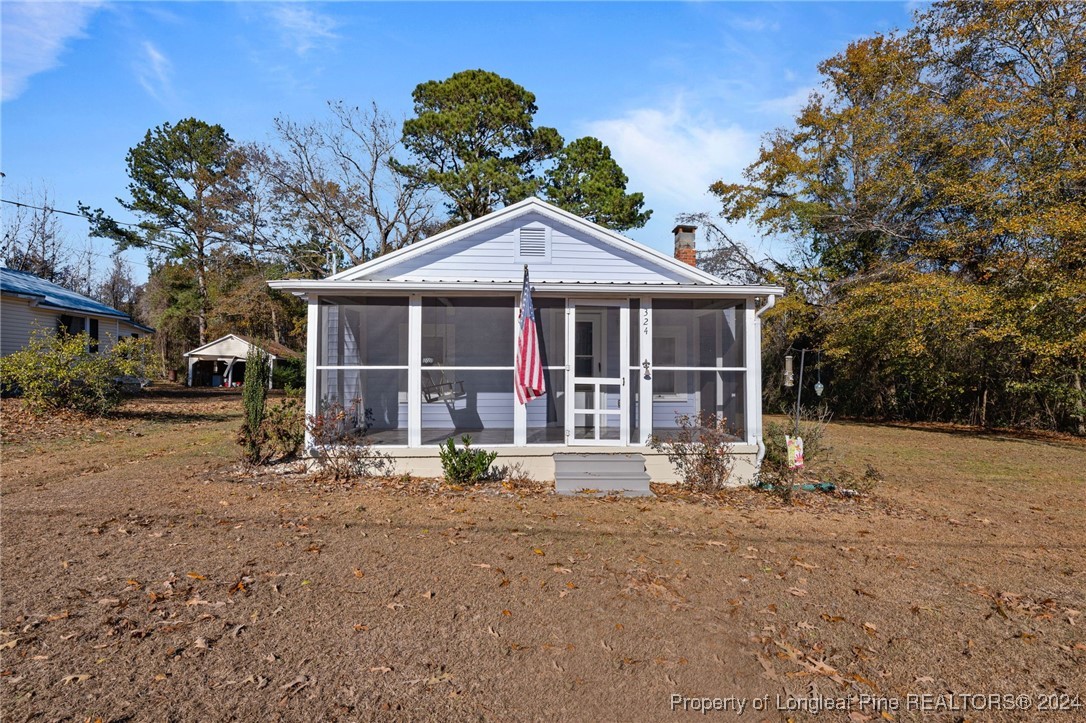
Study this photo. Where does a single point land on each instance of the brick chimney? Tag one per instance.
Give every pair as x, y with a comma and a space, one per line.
684, 244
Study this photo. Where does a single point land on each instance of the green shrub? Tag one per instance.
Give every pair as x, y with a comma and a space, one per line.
284, 426
465, 465
254, 397
288, 374
58, 371
700, 450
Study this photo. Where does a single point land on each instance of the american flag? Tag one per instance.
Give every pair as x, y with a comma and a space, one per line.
529, 366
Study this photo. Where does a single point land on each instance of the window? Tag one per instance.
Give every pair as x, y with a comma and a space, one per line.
93, 332
669, 350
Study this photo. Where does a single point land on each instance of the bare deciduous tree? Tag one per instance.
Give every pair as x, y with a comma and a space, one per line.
335, 188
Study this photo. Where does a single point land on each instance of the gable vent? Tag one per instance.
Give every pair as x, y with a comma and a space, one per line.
533, 244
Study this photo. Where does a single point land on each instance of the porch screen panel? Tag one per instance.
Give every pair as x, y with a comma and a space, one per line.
367, 331
362, 366
698, 362
467, 369
545, 416
369, 403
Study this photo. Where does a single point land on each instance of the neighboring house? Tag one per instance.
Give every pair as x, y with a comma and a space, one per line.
221, 363
418, 345
29, 303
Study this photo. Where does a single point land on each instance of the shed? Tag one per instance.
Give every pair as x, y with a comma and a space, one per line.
221, 363
418, 346
29, 303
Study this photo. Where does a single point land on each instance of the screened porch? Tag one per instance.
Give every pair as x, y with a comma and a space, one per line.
415, 370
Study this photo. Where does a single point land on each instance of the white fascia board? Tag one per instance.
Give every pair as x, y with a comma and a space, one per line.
521, 208
331, 287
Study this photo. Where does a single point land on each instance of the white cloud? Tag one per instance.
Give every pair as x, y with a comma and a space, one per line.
153, 70
301, 28
754, 24
35, 35
789, 105
673, 154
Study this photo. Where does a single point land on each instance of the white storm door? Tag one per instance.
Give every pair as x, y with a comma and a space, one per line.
597, 340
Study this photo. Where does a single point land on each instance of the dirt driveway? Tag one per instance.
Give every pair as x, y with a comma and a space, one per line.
144, 578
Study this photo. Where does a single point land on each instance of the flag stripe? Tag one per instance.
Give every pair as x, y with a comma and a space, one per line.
528, 377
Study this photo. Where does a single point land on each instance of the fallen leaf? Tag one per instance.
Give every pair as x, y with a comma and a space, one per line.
9, 644
797, 591
76, 678
870, 629
506, 613
380, 669
538, 551
429, 594
195, 576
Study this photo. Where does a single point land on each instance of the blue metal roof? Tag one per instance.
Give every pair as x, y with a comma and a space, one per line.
53, 296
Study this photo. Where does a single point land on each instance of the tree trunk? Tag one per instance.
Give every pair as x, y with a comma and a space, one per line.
201, 283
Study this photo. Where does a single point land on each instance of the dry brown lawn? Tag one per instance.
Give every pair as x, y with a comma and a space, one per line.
146, 578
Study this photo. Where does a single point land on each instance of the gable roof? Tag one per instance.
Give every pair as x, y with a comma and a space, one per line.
274, 348
46, 294
528, 206
454, 259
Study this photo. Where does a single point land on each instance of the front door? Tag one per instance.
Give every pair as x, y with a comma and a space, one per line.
597, 374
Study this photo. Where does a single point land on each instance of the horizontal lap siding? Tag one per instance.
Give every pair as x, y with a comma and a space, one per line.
486, 410
20, 320
490, 256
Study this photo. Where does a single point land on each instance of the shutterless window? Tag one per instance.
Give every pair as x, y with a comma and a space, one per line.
92, 331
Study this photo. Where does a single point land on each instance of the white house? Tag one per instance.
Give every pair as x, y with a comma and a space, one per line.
418, 345
29, 303
221, 363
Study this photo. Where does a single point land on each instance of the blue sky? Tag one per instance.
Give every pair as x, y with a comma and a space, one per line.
681, 92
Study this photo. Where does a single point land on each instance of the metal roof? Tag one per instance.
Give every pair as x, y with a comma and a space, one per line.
49, 295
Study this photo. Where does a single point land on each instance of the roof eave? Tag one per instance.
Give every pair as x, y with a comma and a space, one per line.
326, 287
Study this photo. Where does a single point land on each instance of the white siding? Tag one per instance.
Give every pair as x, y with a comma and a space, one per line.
18, 319
224, 349
491, 255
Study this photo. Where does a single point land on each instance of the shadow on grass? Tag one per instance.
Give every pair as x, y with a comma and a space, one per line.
1048, 439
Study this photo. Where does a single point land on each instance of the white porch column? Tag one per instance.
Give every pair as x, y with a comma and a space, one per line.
271, 371
624, 369
312, 352
752, 346
192, 360
645, 389
414, 371
520, 411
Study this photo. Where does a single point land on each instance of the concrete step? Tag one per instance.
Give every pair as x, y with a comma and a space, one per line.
600, 473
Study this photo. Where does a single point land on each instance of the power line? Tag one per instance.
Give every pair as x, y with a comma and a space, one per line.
50, 209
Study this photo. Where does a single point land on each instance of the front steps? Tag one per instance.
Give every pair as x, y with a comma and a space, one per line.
588, 473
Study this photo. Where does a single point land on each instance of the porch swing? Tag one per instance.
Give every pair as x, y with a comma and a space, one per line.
441, 389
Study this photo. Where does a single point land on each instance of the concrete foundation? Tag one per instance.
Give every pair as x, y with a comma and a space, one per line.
538, 462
